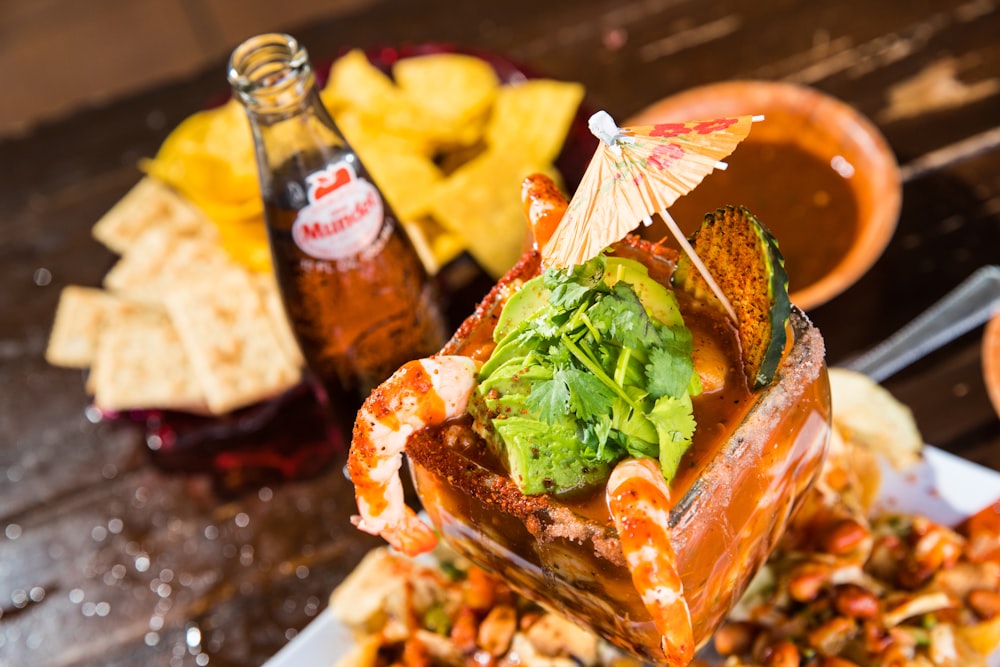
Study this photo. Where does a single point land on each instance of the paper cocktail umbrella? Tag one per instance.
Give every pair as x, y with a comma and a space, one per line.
636, 173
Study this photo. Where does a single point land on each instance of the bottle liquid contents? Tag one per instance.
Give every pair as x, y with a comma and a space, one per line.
358, 297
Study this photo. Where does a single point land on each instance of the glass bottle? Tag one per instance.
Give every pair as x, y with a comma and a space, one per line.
359, 299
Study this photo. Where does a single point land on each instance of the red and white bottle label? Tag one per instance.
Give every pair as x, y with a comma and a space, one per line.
343, 217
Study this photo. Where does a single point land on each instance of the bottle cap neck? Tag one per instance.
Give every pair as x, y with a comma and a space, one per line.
271, 73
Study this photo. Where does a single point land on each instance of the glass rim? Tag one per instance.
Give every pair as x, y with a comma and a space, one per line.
806, 357
265, 70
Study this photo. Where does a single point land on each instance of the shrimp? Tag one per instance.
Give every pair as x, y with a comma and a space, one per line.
639, 501
422, 393
544, 206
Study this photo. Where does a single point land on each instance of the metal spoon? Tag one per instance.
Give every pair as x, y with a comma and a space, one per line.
967, 306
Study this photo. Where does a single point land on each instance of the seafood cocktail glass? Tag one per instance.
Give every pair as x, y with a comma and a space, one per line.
737, 487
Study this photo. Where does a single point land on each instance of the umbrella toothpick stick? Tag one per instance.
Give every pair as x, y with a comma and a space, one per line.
696, 260
635, 173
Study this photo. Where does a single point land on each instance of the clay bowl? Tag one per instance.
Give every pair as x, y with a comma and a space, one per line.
842, 141
991, 360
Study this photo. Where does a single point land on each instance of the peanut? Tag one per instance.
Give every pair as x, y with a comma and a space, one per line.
479, 659
830, 637
734, 638
464, 629
892, 656
846, 536
806, 581
855, 601
761, 645
936, 546
528, 619
875, 636
480, 590
497, 630
902, 638
985, 603
912, 575
782, 654
833, 661
983, 546
553, 636
415, 654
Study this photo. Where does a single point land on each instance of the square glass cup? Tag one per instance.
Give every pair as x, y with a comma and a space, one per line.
730, 508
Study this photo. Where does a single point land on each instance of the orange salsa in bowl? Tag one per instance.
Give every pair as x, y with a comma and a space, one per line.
817, 173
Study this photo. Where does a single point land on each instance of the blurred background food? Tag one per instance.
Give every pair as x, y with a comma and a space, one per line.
446, 140
855, 580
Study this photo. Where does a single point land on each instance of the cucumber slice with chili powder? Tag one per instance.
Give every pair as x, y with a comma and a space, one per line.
744, 259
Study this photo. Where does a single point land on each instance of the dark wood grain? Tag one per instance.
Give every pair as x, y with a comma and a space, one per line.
107, 559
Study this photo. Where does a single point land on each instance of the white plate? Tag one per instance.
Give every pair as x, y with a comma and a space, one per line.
944, 487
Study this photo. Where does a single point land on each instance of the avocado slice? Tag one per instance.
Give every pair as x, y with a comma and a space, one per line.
658, 301
591, 364
533, 296
745, 261
522, 306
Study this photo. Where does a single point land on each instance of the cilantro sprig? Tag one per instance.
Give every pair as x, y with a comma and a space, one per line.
583, 376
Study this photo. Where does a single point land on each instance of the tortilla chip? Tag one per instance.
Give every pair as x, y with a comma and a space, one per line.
454, 87
532, 118
247, 242
140, 363
481, 203
366, 133
224, 326
851, 475
148, 204
229, 136
210, 159
436, 245
80, 316
866, 413
358, 85
210, 183
983, 637
358, 601
354, 82
404, 179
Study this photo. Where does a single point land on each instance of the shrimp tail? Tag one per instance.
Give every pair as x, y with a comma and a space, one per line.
422, 393
544, 206
639, 501
411, 536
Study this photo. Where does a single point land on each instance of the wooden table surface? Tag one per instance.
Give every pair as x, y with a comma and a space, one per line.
107, 558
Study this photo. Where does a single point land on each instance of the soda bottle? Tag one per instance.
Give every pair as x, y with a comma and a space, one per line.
360, 301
